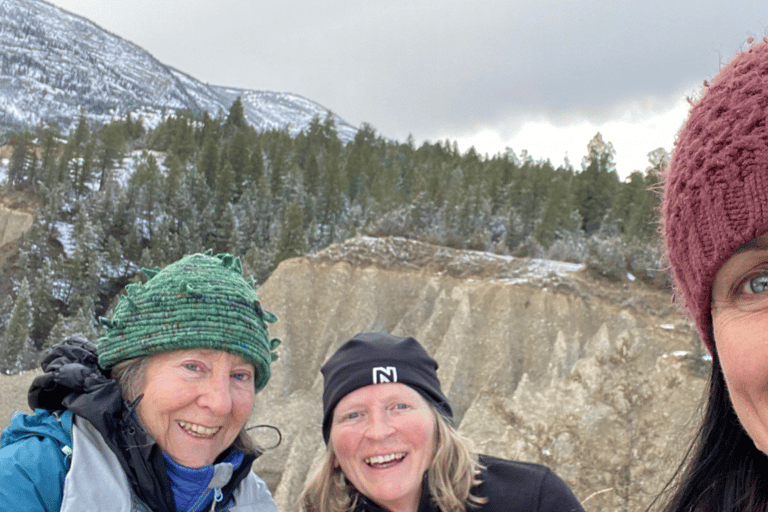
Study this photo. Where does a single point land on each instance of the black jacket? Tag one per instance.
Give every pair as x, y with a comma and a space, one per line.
508, 485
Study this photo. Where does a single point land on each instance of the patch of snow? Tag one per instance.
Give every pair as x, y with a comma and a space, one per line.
65, 237
630, 276
668, 327
541, 266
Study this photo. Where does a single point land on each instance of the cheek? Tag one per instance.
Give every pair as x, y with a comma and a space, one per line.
342, 443
243, 405
742, 346
429, 440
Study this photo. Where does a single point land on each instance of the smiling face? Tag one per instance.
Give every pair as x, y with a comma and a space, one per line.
196, 402
384, 436
740, 322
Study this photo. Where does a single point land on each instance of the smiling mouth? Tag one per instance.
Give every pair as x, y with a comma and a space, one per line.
198, 430
384, 460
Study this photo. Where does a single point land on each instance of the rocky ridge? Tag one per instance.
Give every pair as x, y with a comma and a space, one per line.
56, 65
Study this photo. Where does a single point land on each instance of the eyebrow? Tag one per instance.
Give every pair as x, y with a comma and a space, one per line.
756, 244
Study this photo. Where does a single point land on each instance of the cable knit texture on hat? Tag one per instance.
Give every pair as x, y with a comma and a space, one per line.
200, 301
716, 185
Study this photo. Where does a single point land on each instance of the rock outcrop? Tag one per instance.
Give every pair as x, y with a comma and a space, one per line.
13, 224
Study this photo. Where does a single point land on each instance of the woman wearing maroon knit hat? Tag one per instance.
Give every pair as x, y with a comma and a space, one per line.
715, 227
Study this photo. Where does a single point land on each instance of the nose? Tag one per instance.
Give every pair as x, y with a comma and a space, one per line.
379, 426
216, 396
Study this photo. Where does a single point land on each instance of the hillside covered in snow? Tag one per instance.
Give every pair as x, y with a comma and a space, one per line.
55, 65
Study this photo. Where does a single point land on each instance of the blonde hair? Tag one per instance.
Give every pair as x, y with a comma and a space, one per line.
451, 475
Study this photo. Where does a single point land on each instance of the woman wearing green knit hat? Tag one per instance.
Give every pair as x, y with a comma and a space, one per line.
153, 418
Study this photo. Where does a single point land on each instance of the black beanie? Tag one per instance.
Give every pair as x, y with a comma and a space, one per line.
375, 358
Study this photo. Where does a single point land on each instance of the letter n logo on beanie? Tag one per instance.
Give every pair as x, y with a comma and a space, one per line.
384, 374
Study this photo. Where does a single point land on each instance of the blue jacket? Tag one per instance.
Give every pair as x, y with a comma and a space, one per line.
33, 449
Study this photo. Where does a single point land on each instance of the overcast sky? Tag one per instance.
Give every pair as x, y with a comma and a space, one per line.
539, 75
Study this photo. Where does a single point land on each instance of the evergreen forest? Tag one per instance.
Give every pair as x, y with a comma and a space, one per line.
116, 198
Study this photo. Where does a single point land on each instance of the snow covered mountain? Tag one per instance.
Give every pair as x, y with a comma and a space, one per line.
54, 64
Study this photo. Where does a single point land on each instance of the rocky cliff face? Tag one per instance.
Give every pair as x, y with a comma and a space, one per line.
16, 217
599, 381
17, 212
540, 362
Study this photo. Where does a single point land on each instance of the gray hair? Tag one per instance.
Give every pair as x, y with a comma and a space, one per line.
131, 375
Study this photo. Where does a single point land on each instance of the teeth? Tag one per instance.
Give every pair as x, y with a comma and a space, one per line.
383, 459
199, 429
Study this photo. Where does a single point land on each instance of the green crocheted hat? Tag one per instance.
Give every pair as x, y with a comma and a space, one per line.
200, 301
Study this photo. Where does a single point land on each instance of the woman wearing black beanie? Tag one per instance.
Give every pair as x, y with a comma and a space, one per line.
392, 446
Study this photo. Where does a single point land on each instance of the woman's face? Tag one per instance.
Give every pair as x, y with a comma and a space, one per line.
196, 402
383, 436
740, 321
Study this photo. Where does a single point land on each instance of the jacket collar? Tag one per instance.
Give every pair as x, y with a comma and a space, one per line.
365, 504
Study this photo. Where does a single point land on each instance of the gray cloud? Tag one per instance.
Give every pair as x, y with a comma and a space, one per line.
427, 67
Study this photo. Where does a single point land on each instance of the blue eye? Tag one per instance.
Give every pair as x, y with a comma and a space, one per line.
192, 367
352, 415
758, 284
401, 406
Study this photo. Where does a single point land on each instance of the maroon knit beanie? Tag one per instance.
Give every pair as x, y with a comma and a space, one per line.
716, 186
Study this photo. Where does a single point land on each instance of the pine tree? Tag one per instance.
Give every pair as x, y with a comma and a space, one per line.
183, 141
44, 313
113, 139
334, 179
16, 333
174, 171
49, 147
556, 219
291, 242
83, 269
255, 164
81, 323
224, 222
146, 188
596, 184
209, 162
86, 170
239, 160
209, 128
77, 163
18, 166
277, 166
360, 167
235, 117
